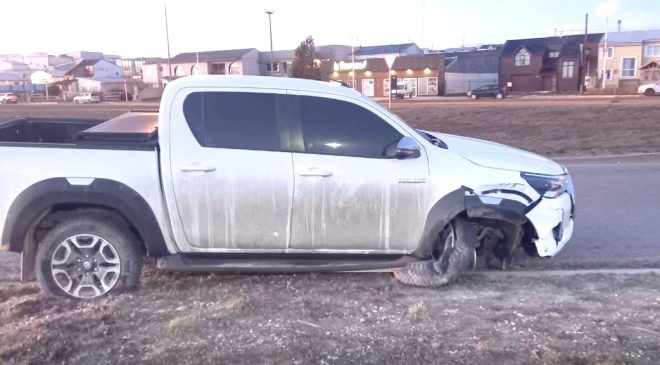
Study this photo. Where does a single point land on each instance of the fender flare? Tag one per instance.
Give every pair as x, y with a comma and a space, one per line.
462, 201
35, 202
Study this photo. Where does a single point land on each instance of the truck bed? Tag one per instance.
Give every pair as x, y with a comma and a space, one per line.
127, 130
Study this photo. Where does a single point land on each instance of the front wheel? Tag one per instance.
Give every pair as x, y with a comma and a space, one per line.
88, 257
473, 97
453, 254
499, 96
649, 92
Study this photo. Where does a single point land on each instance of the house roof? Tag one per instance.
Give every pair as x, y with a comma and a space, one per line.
566, 45
636, 36
327, 52
387, 49
81, 64
224, 55
473, 62
11, 76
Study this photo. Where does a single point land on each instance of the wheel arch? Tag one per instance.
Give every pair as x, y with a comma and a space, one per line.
36, 203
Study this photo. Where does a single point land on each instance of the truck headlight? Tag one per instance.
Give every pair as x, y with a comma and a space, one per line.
549, 186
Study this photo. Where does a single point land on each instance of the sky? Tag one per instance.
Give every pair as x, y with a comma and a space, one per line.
136, 28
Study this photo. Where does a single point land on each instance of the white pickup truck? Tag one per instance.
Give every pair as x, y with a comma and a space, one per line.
260, 174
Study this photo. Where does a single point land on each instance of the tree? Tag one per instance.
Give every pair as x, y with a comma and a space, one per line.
303, 66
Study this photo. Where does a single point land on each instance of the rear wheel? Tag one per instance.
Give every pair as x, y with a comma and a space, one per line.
499, 96
649, 92
473, 97
88, 257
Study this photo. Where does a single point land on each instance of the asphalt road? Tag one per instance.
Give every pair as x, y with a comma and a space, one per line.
618, 214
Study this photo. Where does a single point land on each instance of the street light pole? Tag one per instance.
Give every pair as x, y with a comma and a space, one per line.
270, 28
167, 35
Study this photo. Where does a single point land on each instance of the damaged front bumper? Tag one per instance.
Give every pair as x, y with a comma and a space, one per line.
552, 218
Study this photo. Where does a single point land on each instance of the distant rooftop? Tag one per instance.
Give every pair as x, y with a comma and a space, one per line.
635, 36
385, 49
567, 45
224, 55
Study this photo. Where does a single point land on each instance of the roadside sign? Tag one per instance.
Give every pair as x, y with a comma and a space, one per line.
389, 59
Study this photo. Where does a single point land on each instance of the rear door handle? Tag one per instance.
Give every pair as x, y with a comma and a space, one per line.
315, 172
196, 167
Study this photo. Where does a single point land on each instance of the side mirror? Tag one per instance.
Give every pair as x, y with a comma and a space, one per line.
407, 148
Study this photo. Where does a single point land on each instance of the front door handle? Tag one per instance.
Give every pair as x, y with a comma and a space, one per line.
315, 172
196, 167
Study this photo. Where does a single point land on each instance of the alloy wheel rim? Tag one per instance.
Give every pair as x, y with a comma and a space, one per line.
85, 266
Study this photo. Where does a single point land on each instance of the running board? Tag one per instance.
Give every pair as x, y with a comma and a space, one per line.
279, 264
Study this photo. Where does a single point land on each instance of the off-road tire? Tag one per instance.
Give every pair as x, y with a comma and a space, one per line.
451, 263
112, 231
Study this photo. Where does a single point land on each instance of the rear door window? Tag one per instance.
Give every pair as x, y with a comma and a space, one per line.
238, 120
335, 127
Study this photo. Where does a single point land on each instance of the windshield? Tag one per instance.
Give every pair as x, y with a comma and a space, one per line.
400, 87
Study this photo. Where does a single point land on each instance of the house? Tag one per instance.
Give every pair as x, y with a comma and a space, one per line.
405, 49
13, 66
631, 58
282, 60
467, 70
424, 74
94, 75
553, 64
225, 62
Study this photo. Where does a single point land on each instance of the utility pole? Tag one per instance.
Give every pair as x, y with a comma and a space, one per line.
583, 58
270, 28
167, 35
607, 23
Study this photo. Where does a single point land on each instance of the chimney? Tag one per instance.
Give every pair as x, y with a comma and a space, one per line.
619, 23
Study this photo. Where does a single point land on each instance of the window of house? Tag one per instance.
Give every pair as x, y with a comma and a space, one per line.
652, 50
277, 67
234, 69
522, 58
89, 70
217, 69
334, 127
160, 68
195, 70
231, 120
567, 69
286, 67
554, 54
610, 52
628, 67
179, 71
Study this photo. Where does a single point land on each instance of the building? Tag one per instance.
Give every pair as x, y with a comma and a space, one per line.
226, 62
424, 73
631, 58
283, 59
552, 64
467, 70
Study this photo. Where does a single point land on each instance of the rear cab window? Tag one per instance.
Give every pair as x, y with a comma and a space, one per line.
237, 120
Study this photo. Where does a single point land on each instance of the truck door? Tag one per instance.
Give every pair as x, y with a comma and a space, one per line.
231, 175
351, 193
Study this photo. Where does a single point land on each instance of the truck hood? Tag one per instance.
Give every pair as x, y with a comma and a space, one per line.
499, 156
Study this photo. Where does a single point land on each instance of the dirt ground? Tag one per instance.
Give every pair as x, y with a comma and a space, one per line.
340, 319
366, 318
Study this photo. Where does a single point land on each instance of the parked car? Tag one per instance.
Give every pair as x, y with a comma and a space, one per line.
402, 90
87, 98
335, 183
7, 98
650, 89
493, 91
